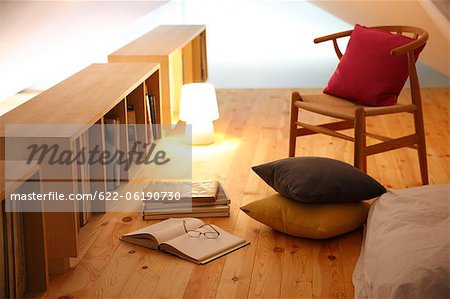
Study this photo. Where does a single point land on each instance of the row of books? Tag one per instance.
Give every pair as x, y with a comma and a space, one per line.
153, 130
83, 175
112, 136
198, 199
112, 144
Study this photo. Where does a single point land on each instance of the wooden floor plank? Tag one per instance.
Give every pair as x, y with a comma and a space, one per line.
90, 269
236, 277
297, 277
267, 270
328, 270
351, 245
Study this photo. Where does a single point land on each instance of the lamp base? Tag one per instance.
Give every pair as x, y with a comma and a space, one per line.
200, 133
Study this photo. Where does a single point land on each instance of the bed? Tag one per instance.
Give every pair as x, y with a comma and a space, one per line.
405, 252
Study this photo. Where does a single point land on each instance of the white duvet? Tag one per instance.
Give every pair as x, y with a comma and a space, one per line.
406, 251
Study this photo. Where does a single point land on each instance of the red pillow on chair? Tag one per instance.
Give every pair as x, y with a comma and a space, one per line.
367, 73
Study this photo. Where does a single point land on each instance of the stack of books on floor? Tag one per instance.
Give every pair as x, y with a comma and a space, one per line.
207, 199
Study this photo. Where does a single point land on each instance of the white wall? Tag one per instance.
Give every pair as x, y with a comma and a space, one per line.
257, 44
43, 42
265, 43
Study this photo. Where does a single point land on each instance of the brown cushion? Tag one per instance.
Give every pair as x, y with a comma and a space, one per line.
318, 180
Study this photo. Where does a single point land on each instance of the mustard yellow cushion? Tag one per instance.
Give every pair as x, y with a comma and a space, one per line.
315, 221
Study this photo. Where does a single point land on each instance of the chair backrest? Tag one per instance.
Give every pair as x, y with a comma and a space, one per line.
420, 37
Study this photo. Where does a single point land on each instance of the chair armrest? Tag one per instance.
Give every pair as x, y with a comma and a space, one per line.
334, 38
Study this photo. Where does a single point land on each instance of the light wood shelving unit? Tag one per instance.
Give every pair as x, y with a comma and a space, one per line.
181, 52
156, 64
85, 99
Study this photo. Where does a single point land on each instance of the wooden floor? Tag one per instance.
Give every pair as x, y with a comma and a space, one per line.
253, 129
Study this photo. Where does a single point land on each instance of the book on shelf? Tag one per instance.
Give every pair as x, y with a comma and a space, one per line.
131, 114
112, 143
151, 106
132, 135
9, 254
87, 206
132, 129
3, 263
13, 276
79, 184
151, 134
19, 254
83, 180
170, 236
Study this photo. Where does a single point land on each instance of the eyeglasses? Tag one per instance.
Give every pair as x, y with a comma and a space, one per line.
195, 233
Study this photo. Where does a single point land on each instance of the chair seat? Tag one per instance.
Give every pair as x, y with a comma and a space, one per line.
345, 109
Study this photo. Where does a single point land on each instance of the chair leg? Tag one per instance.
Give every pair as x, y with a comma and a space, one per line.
293, 126
421, 145
360, 157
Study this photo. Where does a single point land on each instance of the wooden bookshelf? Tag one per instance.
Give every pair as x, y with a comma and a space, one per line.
23, 250
84, 100
181, 52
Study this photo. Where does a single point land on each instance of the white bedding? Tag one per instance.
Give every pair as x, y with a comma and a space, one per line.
406, 251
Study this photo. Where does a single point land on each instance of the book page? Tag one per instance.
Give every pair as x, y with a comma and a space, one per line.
202, 248
167, 229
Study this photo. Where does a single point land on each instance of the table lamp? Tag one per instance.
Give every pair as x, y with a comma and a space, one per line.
198, 107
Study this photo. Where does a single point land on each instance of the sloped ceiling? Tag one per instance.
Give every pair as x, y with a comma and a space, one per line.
443, 6
406, 12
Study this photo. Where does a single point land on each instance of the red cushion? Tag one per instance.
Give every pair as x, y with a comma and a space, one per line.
367, 73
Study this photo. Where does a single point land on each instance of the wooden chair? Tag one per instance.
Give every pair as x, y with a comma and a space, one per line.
354, 115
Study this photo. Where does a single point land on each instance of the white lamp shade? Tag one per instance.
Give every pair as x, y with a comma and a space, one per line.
198, 103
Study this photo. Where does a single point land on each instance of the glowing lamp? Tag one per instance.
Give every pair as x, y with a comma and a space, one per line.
198, 108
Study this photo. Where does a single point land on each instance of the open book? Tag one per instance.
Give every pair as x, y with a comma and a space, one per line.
170, 236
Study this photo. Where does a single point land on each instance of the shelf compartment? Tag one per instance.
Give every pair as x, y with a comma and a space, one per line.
181, 52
